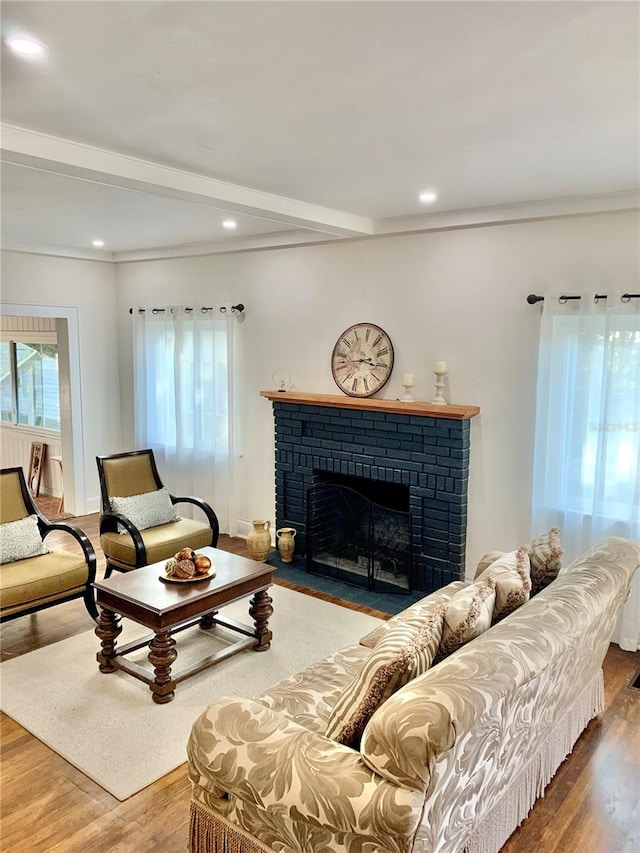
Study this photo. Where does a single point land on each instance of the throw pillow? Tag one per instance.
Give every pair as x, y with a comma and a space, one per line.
402, 654
20, 540
486, 561
468, 614
146, 510
513, 581
545, 553
415, 615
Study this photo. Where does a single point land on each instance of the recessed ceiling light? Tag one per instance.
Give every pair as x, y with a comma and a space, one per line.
230, 224
427, 197
25, 46
97, 243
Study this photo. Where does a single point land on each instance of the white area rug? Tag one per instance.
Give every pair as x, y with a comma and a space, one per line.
108, 726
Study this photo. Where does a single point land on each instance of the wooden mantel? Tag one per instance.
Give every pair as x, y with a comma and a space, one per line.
373, 404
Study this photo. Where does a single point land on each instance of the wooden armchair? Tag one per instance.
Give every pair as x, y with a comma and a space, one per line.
32, 583
128, 545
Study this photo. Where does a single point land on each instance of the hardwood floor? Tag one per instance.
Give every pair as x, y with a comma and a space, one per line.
47, 806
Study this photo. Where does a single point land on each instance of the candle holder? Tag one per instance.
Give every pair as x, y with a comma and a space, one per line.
407, 384
439, 399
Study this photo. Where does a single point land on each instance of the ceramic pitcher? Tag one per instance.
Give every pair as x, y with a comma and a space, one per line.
286, 543
259, 540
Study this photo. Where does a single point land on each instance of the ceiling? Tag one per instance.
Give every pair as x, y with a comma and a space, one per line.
149, 123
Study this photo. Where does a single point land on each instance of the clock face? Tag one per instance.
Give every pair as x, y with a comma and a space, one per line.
362, 360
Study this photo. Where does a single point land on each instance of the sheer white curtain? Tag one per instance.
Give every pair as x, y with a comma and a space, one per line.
185, 401
586, 477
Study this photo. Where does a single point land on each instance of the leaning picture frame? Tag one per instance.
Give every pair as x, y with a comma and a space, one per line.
36, 461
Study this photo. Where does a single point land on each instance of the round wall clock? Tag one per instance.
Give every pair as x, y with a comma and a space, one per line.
362, 360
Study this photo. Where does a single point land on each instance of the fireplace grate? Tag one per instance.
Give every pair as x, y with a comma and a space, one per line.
357, 540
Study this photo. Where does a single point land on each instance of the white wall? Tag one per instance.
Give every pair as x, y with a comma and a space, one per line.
90, 287
455, 295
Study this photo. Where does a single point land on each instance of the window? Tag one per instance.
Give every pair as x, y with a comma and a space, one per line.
587, 450
29, 388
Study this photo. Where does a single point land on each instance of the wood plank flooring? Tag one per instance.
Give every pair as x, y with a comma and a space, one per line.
47, 806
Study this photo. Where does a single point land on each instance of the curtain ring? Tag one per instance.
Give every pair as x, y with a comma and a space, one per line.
155, 310
562, 300
596, 298
223, 309
626, 297
203, 310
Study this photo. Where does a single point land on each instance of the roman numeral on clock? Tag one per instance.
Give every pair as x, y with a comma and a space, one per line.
377, 341
346, 343
381, 352
354, 386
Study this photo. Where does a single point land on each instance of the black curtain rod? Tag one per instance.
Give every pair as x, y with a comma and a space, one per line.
532, 298
237, 309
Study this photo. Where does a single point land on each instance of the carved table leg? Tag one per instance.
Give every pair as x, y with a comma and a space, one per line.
161, 655
108, 629
260, 611
208, 620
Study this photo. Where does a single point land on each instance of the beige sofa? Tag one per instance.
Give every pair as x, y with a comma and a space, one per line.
453, 761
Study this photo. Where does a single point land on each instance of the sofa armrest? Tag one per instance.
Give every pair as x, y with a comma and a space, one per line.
241, 748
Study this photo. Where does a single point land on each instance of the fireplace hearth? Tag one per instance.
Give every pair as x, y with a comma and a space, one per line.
391, 466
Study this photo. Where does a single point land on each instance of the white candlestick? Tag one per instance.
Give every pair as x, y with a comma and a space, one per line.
440, 372
408, 380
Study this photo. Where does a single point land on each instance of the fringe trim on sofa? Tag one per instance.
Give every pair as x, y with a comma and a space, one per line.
516, 803
211, 833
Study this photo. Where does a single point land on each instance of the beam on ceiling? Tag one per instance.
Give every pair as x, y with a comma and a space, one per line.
65, 157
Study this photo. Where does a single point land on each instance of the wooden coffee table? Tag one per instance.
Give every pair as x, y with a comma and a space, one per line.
167, 608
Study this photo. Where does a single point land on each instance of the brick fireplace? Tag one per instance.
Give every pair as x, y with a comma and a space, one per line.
416, 446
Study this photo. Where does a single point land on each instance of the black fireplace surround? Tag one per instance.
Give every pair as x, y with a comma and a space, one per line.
429, 455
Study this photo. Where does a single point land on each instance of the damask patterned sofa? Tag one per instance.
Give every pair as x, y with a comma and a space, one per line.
451, 763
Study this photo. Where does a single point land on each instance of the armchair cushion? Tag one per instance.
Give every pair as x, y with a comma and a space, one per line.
149, 509
160, 542
40, 579
20, 540
402, 654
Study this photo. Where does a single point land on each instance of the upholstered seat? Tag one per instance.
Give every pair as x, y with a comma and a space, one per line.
126, 545
32, 583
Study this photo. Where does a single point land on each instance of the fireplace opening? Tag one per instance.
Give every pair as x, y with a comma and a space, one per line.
359, 531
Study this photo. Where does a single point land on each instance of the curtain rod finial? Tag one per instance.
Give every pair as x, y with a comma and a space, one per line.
532, 299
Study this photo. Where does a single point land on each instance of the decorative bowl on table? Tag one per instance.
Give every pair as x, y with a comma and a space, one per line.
187, 567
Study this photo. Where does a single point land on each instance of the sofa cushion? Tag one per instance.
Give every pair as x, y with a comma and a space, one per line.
468, 614
415, 615
402, 654
545, 553
150, 509
20, 540
512, 572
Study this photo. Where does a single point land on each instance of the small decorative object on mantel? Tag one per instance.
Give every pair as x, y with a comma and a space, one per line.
281, 379
286, 543
259, 540
408, 381
440, 371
